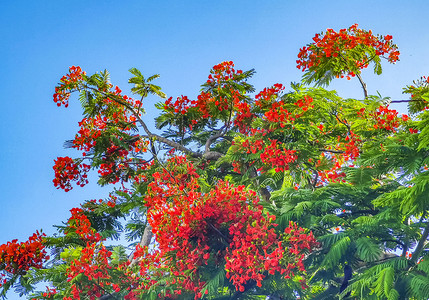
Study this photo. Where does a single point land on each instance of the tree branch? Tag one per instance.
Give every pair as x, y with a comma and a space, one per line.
421, 244
211, 139
365, 92
404, 247
361, 211
224, 239
144, 242
331, 151
128, 106
342, 122
410, 100
107, 296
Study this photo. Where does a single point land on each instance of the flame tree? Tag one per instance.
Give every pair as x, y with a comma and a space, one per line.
241, 195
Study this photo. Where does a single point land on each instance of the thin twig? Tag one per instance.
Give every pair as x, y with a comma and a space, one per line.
331, 151
224, 238
410, 100
365, 92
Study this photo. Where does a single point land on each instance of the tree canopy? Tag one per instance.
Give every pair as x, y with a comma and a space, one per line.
286, 193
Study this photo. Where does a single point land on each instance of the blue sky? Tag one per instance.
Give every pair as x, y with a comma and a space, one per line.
181, 41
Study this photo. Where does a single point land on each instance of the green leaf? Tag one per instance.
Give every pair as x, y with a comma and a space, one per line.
71, 253
336, 252
215, 283
393, 295
367, 250
420, 286
384, 283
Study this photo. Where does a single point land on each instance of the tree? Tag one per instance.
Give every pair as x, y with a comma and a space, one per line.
280, 194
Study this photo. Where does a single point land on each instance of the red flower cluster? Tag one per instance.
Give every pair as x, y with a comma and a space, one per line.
181, 105
68, 83
92, 274
113, 109
272, 155
94, 264
332, 175
243, 117
412, 130
210, 103
223, 71
90, 130
203, 102
386, 118
299, 242
66, 170
305, 103
337, 45
268, 95
258, 249
80, 224
351, 146
223, 226
220, 78
278, 158
115, 161
335, 173
17, 258
277, 113
50, 293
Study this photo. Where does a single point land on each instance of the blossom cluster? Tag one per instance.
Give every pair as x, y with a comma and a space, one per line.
243, 117
338, 45
94, 264
305, 103
92, 274
181, 105
90, 129
49, 293
277, 113
211, 103
17, 258
278, 158
386, 118
272, 154
80, 224
224, 227
68, 83
268, 95
333, 174
66, 171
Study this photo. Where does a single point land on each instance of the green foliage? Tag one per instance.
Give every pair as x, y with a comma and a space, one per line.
142, 86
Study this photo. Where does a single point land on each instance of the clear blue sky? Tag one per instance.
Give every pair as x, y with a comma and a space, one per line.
180, 40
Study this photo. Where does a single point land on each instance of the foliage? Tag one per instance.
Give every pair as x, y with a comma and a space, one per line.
242, 195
